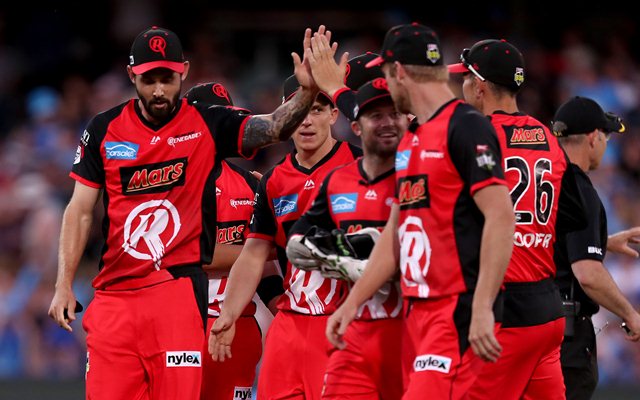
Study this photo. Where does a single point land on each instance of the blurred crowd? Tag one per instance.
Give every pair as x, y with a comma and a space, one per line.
45, 106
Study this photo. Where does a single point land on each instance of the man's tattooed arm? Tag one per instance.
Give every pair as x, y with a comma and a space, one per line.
262, 130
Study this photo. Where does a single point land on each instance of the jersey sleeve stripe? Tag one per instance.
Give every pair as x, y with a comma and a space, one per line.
85, 181
262, 236
240, 140
487, 182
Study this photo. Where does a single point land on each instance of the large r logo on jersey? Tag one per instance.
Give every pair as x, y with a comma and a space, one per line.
157, 223
415, 254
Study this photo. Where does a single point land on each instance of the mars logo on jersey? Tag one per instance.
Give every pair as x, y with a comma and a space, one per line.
149, 230
526, 137
285, 205
153, 178
231, 232
413, 192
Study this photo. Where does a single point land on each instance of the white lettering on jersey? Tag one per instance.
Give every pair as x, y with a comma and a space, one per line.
297, 288
415, 254
375, 304
529, 240
594, 250
148, 221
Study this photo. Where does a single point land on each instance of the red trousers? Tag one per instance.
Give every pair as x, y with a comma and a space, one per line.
233, 378
144, 343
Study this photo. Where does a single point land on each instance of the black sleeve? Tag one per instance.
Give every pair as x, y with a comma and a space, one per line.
270, 287
587, 243
227, 127
318, 214
251, 180
263, 220
346, 103
571, 208
474, 148
88, 163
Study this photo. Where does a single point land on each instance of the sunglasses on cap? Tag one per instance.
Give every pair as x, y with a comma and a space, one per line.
463, 60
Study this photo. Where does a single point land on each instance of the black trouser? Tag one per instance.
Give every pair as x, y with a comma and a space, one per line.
579, 360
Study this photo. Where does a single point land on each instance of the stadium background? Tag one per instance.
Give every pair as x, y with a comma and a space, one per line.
62, 63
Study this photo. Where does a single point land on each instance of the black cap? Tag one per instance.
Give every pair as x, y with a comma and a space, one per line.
211, 93
497, 61
290, 87
156, 48
357, 72
411, 44
369, 93
581, 115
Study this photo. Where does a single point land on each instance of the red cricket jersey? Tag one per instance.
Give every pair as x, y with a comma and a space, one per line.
534, 165
159, 195
235, 190
439, 166
284, 194
350, 201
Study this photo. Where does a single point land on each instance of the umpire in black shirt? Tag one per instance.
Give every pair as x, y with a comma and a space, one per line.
583, 128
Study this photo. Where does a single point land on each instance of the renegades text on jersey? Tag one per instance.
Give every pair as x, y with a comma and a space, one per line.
439, 166
349, 200
152, 175
284, 194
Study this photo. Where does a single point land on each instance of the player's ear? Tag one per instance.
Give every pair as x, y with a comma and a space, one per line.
132, 76
355, 127
186, 71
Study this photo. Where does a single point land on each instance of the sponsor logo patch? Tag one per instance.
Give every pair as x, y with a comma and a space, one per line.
121, 150
413, 192
402, 159
594, 250
153, 178
285, 205
343, 202
526, 137
432, 362
242, 393
184, 359
231, 232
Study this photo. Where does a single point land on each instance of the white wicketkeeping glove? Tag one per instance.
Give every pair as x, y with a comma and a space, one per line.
300, 255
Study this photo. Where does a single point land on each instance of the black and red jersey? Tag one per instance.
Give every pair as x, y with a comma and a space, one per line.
235, 190
534, 166
350, 201
439, 166
159, 195
284, 194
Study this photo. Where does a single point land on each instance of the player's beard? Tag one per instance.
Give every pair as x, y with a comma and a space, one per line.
159, 115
